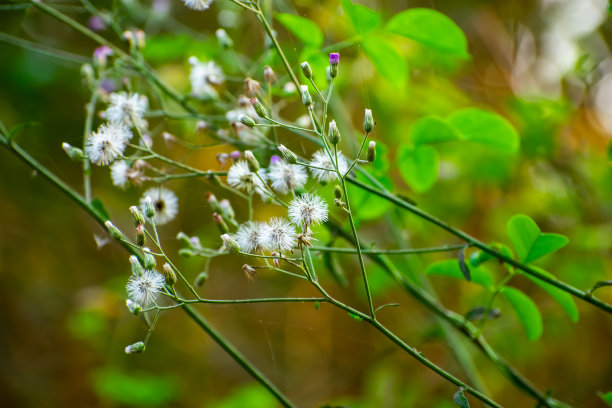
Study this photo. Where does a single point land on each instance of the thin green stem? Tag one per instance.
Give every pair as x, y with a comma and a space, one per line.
90, 110
446, 248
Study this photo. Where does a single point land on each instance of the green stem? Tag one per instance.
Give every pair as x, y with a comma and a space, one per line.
90, 109
410, 251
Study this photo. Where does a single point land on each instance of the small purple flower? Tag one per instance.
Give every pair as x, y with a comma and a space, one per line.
274, 159
334, 58
108, 85
101, 53
235, 155
96, 23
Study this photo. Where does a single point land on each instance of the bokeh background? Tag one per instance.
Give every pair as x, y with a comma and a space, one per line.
545, 65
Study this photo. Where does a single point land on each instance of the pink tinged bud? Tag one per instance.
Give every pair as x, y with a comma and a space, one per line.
101, 54
235, 155
96, 23
334, 60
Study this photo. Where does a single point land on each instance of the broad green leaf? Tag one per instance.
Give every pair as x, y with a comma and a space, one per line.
371, 206
431, 129
450, 268
362, 18
606, 397
306, 30
487, 128
563, 298
163, 48
530, 243
526, 311
460, 399
418, 166
387, 60
430, 28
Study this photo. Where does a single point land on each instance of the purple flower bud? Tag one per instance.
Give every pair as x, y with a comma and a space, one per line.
235, 155
96, 23
108, 85
334, 58
275, 159
101, 53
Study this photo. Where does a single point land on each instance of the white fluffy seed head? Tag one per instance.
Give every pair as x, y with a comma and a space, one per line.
242, 178
278, 235
286, 177
164, 202
144, 289
120, 173
204, 75
307, 210
321, 159
127, 108
198, 5
249, 237
107, 143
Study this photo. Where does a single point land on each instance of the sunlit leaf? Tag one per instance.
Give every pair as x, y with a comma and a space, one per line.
530, 243
431, 129
450, 268
526, 311
430, 28
487, 128
250, 395
362, 18
304, 29
135, 389
563, 298
418, 166
387, 60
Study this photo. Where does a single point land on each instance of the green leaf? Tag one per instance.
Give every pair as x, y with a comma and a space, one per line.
526, 311
430, 28
362, 18
418, 166
307, 31
530, 243
431, 129
487, 128
387, 60
460, 399
606, 397
462, 266
563, 298
97, 204
450, 268
373, 206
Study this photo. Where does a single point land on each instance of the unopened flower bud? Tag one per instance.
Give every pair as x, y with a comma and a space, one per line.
135, 348
338, 192
113, 231
140, 235
224, 40
249, 271
230, 244
169, 275
213, 202
220, 223
149, 207
259, 108
289, 89
87, 72
371, 153
149, 259
136, 266
269, 75
251, 161
251, 87
334, 60
247, 121
306, 70
226, 209
133, 307
333, 133
306, 98
201, 278
74, 153
137, 216
368, 121
287, 154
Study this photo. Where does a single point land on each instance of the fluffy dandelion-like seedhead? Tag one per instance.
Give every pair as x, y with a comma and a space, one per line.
203, 75
120, 173
144, 289
249, 237
127, 108
165, 203
107, 143
286, 177
242, 178
308, 209
199, 5
278, 235
321, 159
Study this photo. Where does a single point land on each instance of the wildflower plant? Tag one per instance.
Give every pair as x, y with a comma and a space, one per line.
310, 185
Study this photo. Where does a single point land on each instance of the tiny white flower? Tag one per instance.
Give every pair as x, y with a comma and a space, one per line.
198, 4
165, 203
120, 173
203, 75
249, 237
286, 177
128, 108
278, 235
308, 209
242, 178
107, 143
321, 159
144, 289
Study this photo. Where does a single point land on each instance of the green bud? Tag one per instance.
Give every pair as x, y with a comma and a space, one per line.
333, 133
135, 348
140, 235
368, 121
338, 192
137, 216
247, 121
214, 179
306, 70
149, 259
227, 210
149, 208
220, 223
225, 42
113, 231
251, 161
306, 98
136, 266
74, 153
201, 278
133, 307
371, 153
287, 154
213, 202
230, 244
259, 108
169, 275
